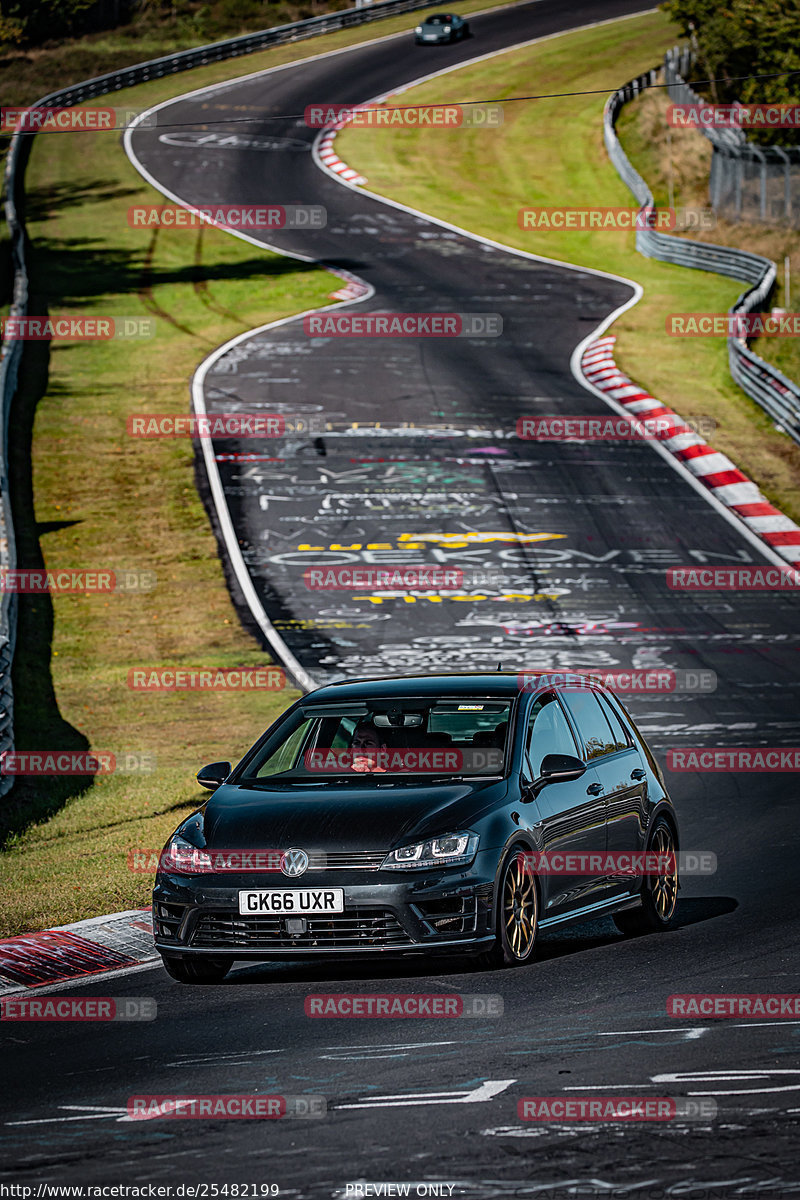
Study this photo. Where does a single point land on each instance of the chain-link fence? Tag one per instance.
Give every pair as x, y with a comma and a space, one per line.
747, 182
776, 393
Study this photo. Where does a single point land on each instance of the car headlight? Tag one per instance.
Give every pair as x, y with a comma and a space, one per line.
183, 858
451, 850
448, 29
418, 29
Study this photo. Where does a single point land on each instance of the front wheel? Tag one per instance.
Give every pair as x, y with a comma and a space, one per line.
517, 914
196, 970
660, 892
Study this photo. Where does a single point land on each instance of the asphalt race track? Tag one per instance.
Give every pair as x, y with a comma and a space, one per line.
581, 535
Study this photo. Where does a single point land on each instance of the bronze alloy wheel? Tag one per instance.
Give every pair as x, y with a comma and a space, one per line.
519, 912
664, 888
659, 893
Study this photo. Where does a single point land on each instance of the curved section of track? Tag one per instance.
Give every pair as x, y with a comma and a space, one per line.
563, 546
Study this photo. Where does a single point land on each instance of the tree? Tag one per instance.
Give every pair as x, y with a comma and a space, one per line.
745, 38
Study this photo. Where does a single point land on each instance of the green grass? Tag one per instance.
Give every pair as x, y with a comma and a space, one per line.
686, 156
30, 74
551, 152
104, 500
87, 495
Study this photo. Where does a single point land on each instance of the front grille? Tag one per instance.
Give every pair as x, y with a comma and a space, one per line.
363, 927
365, 860
453, 914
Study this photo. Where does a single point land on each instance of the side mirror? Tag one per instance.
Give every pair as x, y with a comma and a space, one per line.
559, 768
213, 775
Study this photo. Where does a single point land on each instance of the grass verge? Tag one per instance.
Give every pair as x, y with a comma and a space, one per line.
88, 496
551, 152
30, 74
683, 157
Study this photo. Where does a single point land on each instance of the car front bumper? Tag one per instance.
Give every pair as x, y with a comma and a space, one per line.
429, 912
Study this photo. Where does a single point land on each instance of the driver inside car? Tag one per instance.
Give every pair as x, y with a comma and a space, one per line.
366, 740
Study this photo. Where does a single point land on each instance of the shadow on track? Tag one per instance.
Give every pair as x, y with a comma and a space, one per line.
551, 946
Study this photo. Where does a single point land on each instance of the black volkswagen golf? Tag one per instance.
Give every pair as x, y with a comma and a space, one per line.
423, 814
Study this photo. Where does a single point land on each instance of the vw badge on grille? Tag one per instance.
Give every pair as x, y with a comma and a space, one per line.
294, 862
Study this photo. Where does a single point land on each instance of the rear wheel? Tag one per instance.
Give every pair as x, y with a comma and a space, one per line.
517, 914
196, 970
660, 892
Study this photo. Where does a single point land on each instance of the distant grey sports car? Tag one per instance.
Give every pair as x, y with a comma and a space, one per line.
441, 27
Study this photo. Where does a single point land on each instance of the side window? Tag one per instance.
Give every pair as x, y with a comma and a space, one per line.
344, 733
620, 737
592, 725
286, 756
548, 733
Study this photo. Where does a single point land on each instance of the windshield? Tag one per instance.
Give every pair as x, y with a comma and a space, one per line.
388, 738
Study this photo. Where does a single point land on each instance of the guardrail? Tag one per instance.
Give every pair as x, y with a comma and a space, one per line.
11, 351
765, 384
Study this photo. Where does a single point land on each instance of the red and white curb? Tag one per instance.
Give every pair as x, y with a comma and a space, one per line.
354, 288
331, 159
91, 947
714, 470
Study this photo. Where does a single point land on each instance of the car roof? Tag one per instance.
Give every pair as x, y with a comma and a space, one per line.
501, 684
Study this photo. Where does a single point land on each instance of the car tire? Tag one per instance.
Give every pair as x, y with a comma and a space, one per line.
517, 914
196, 970
659, 893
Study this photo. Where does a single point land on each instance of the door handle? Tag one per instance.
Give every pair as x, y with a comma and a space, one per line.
638, 773
594, 789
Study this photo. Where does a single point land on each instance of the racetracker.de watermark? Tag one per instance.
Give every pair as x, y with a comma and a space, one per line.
213, 425
616, 1108
400, 1004
394, 578
79, 1008
75, 329
412, 325
598, 218
426, 116
733, 325
187, 679
75, 581
733, 579
225, 1107
228, 216
421, 760
657, 679
734, 758
72, 118
76, 762
593, 429
733, 116
621, 862
740, 1004
188, 860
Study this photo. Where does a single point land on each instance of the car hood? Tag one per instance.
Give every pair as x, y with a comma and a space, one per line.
338, 818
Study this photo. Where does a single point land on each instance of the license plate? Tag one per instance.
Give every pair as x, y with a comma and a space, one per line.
298, 901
